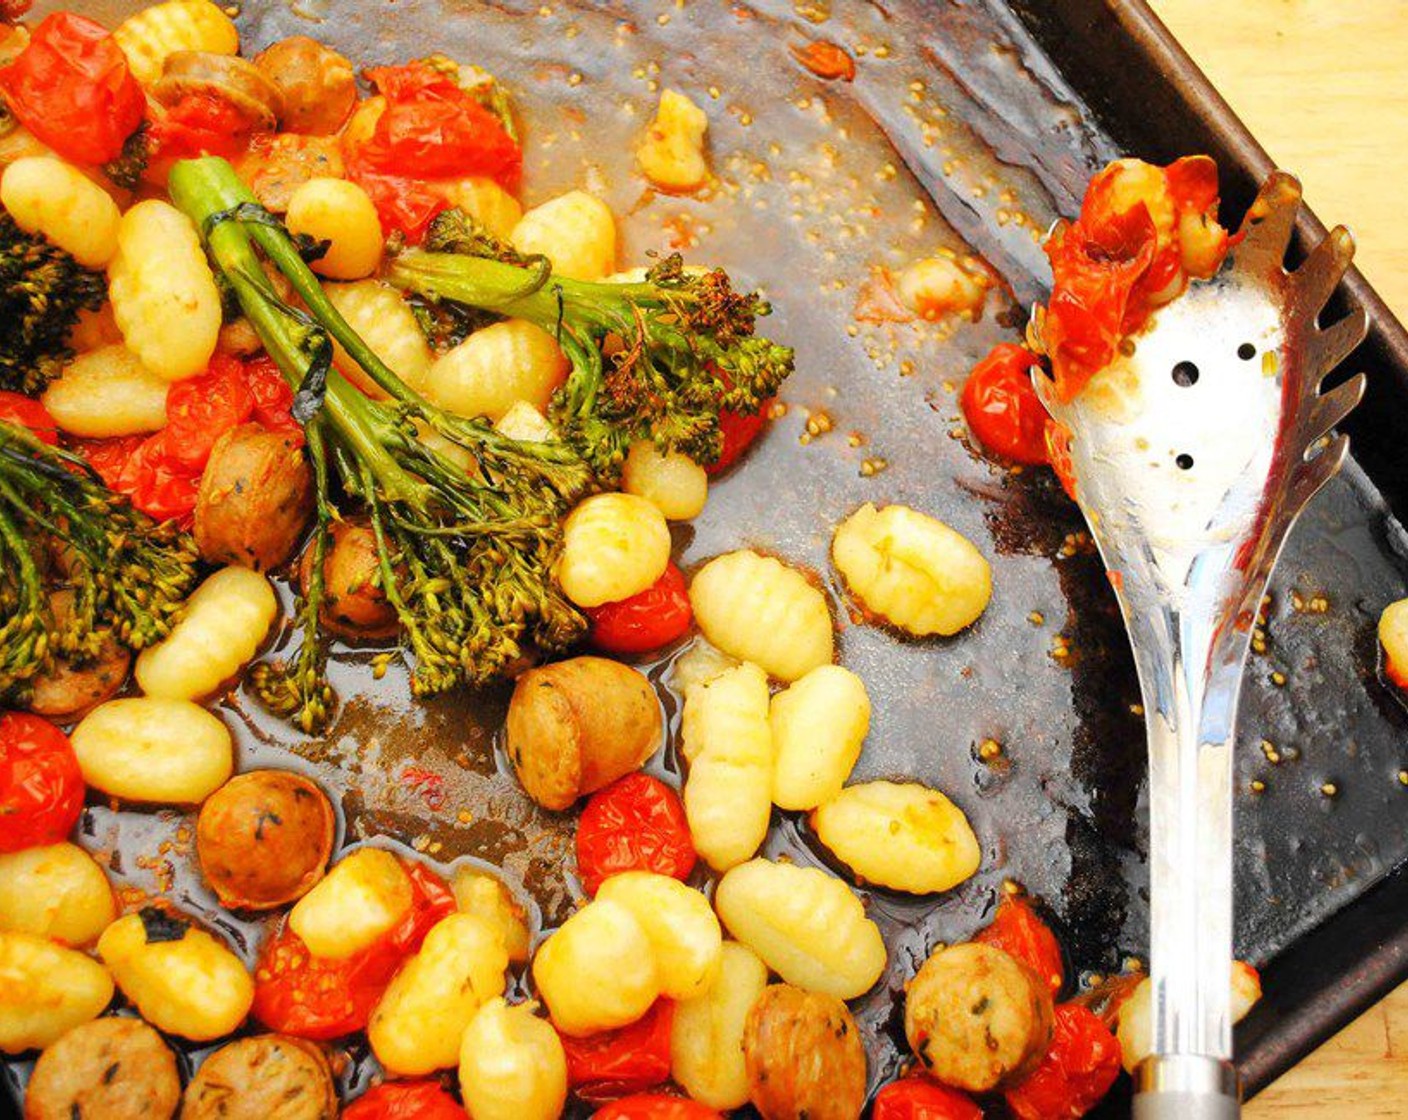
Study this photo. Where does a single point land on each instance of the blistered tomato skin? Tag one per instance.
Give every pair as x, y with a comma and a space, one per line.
404, 1100
1076, 1073
41, 785
655, 1106
635, 824
1018, 931
1001, 407
648, 620
611, 1064
918, 1098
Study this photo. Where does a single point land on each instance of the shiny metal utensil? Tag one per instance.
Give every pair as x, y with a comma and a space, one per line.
1192, 457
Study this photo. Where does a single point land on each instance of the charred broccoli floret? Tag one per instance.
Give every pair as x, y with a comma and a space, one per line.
126, 170
42, 290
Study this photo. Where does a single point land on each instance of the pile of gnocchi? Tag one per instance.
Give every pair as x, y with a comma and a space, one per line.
698, 976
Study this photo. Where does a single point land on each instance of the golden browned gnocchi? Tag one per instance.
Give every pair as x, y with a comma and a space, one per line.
484, 201
226, 620
489, 899
342, 214
757, 609
706, 1035
56, 890
495, 368
680, 924
387, 325
900, 835
524, 423
50, 197
1135, 1030
937, 286
672, 154
162, 291
597, 971
804, 1056
726, 739
154, 34
363, 896
183, 980
575, 231
146, 748
417, 1026
673, 482
613, 546
512, 1065
912, 570
818, 726
45, 991
107, 392
807, 926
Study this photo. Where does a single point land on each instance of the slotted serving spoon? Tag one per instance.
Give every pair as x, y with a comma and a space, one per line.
1192, 458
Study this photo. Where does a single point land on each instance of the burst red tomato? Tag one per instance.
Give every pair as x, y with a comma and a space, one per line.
739, 431
1001, 407
41, 786
1017, 930
201, 409
201, 123
16, 408
655, 1106
273, 396
635, 824
612, 1064
1076, 1073
1058, 453
311, 997
918, 1098
71, 87
405, 1100
644, 622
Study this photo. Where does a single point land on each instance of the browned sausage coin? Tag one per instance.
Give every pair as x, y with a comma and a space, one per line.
256, 495
268, 1077
263, 838
354, 606
67, 689
804, 1056
317, 84
109, 1069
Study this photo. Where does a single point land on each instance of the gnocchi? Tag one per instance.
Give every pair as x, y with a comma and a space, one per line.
495, 368
94, 329
807, 926
45, 991
727, 742
162, 291
183, 980
512, 1065
57, 891
342, 214
417, 1026
818, 726
912, 570
152, 35
146, 748
673, 482
900, 835
672, 154
489, 899
1136, 1026
613, 546
680, 925
706, 1035
1393, 637
107, 392
386, 324
524, 423
597, 971
52, 198
362, 897
484, 201
575, 231
226, 620
757, 609
937, 286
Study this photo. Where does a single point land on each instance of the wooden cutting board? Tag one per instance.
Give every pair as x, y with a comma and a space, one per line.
1324, 86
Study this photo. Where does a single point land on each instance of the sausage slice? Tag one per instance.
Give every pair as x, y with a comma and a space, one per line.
804, 1057
268, 1077
255, 498
108, 1069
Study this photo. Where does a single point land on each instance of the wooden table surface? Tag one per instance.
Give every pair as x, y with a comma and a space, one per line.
1323, 84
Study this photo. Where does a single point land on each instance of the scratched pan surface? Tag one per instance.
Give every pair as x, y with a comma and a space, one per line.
957, 133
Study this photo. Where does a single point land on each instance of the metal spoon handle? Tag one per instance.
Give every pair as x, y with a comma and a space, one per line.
1186, 1088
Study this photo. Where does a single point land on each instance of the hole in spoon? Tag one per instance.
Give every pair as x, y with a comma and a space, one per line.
1185, 374
1246, 351
1184, 462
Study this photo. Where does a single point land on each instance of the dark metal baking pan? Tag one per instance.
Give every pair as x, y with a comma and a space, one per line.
969, 126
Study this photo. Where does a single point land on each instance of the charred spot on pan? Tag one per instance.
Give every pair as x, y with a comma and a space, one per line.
159, 926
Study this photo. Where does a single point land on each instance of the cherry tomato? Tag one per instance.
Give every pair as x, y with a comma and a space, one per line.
635, 824
611, 1064
273, 396
1058, 453
404, 205
72, 88
739, 431
918, 1098
41, 787
647, 621
1076, 1073
1018, 931
1002, 408
405, 1100
201, 123
312, 997
655, 1106
16, 408
201, 409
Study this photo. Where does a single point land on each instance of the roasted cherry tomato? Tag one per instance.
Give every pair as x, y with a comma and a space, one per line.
71, 87
201, 409
1018, 931
739, 431
16, 408
1001, 407
644, 622
311, 997
404, 205
157, 482
201, 123
655, 1106
918, 1098
405, 1100
273, 396
41, 787
1076, 1073
611, 1064
1058, 454
635, 824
